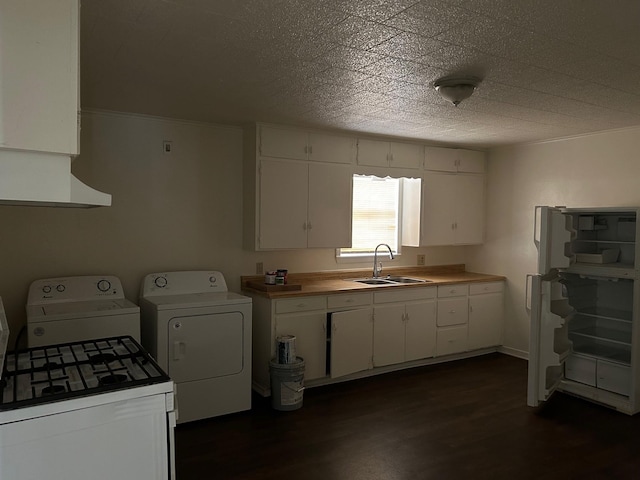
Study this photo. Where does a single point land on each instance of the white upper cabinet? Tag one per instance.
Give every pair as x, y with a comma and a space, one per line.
295, 144
39, 104
451, 211
376, 153
304, 205
454, 160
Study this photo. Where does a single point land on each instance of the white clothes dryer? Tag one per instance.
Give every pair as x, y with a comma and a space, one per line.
73, 309
200, 334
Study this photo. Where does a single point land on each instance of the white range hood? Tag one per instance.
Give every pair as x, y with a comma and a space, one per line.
44, 179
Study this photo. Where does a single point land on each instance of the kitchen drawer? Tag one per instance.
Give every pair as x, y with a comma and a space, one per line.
349, 300
456, 290
451, 340
453, 311
301, 304
614, 377
485, 287
405, 295
580, 369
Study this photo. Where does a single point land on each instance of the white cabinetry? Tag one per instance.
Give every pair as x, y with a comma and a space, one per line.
351, 341
39, 110
301, 145
404, 326
306, 318
310, 332
349, 333
486, 305
452, 210
453, 317
376, 153
304, 205
454, 160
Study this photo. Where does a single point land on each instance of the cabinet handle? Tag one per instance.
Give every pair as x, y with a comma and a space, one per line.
349, 300
310, 149
304, 226
452, 311
309, 226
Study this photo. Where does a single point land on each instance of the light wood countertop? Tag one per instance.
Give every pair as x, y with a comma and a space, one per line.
341, 281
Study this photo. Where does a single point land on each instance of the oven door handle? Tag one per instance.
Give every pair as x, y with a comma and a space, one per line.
179, 350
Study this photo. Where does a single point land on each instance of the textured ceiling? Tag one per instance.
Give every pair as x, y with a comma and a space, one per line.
550, 68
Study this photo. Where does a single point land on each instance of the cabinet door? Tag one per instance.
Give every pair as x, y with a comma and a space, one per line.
438, 209
329, 216
373, 153
351, 341
469, 216
441, 159
311, 340
331, 148
485, 320
39, 79
283, 204
420, 332
283, 143
470, 161
388, 335
406, 155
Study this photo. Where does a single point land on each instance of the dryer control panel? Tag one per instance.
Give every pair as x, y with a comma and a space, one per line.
179, 283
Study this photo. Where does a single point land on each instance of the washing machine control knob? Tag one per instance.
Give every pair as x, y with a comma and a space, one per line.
160, 282
46, 289
213, 279
104, 285
61, 288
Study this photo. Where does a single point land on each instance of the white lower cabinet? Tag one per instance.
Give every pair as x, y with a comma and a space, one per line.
453, 318
452, 340
346, 333
310, 332
404, 330
486, 306
351, 341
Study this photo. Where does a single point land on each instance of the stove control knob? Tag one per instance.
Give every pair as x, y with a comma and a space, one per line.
213, 279
160, 282
38, 331
61, 288
104, 285
46, 289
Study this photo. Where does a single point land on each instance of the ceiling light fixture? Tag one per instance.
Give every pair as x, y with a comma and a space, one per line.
456, 89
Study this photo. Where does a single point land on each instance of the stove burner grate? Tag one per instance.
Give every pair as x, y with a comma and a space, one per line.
53, 390
113, 379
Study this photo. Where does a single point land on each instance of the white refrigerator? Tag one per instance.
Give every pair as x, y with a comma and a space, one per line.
583, 306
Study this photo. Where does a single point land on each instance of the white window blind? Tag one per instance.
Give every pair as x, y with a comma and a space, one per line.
375, 214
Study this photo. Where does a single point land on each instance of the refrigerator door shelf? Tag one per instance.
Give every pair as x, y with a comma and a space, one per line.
549, 344
553, 233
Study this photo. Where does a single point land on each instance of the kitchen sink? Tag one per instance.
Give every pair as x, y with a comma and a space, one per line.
405, 279
389, 280
373, 281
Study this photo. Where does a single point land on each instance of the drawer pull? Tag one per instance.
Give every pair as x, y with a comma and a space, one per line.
452, 311
349, 300
301, 305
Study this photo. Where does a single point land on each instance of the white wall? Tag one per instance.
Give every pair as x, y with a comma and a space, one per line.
591, 171
169, 212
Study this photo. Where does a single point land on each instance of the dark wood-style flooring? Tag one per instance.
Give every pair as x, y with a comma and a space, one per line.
461, 420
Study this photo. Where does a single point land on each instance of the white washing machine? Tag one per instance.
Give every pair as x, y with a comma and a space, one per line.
72, 309
200, 334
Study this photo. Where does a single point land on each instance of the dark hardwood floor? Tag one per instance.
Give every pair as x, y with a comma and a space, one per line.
464, 419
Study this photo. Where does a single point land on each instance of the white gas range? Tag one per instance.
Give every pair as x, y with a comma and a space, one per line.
99, 409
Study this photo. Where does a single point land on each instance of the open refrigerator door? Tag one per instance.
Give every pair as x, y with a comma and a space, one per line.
4, 337
547, 305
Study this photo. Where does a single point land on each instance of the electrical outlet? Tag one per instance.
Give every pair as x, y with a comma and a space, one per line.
420, 259
259, 268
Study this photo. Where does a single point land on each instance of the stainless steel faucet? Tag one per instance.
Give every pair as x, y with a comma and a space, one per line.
378, 269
